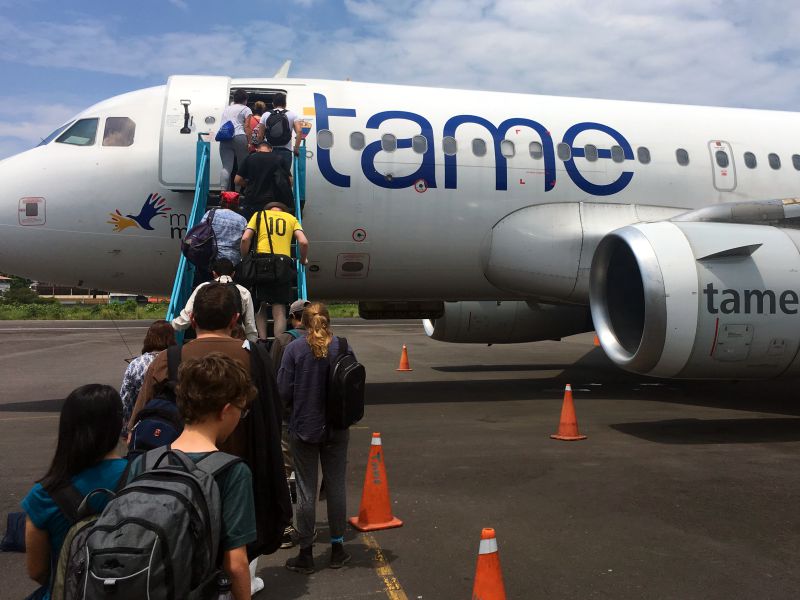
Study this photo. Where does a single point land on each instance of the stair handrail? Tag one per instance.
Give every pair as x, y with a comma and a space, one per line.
184, 276
299, 196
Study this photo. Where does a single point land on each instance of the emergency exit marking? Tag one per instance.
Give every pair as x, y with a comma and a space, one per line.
359, 235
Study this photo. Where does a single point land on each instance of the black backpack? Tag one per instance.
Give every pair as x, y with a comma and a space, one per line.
199, 245
159, 423
159, 538
277, 131
344, 402
237, 295
282, 188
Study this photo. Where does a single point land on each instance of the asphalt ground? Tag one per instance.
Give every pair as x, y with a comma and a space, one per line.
682, 489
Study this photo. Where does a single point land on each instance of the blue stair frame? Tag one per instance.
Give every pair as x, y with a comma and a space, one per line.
184, 277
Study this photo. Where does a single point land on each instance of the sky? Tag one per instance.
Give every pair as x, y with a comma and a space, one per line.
58, 58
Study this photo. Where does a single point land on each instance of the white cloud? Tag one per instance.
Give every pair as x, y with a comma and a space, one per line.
20, 133
181, 4
734, 52
107, 47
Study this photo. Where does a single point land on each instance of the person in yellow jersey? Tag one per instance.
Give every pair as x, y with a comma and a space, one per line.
280, 227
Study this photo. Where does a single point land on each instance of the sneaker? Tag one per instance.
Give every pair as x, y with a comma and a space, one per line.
302, 563
339, 557
289, 535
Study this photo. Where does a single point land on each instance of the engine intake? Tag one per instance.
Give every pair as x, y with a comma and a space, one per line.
698, 300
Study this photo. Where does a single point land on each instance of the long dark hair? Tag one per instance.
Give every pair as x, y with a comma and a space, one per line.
88, 429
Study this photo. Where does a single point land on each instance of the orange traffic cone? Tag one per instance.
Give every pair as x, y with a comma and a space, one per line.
596, 340
404, 366
568, 427
376, 509
488, 576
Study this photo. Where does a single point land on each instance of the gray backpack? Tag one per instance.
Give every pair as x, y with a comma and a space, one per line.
159, 538
65, 581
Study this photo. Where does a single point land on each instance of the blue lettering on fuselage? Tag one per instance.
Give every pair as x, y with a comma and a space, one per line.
427, 168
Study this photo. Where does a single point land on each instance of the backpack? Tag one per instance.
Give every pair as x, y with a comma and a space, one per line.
199, 245
225, 132
159, 538
277, 130
282, 188
237, 299
159, 423
70, 567
344, 402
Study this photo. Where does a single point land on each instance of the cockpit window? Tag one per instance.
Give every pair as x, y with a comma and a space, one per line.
119, 131
55, 134
82, 133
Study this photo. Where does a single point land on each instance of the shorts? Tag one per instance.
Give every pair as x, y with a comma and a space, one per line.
273, 293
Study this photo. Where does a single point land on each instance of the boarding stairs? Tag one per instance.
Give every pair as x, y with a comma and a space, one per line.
185, 275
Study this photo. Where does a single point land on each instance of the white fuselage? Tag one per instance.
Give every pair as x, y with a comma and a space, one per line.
416, 217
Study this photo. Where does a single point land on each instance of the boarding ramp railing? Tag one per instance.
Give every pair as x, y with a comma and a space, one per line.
184, 277
299, 201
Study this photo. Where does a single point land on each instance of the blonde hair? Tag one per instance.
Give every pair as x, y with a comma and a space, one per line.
317, 322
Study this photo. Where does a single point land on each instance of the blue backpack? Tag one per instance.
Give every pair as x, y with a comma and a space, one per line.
159, 423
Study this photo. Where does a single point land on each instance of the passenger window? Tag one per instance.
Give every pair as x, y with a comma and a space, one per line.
590, 152
325, 138
54, 135
564, 151
388, 142
449, 146
682, 156
643, 154
617, 154
535, 149
419, 144
722, 159
82, 133
750, 160
119, 131
774, 161
507, 148
357, 140
796, 161
478, 147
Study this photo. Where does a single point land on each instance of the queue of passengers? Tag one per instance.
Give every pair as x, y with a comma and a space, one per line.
235, 411
219, 422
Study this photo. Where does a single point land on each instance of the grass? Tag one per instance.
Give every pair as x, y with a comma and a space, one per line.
105, 312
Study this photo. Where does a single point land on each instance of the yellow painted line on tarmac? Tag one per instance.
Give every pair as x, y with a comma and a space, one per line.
394, 591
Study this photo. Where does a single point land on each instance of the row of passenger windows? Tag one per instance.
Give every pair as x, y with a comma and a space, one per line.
419, 144
119, 131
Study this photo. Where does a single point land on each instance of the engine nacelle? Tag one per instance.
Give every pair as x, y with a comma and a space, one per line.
512, 322
699, 300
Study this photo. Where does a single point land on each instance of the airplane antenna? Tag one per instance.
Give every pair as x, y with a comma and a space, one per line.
283, 72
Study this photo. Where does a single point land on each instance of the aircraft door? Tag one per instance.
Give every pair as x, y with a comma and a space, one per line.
722, 165
193, 105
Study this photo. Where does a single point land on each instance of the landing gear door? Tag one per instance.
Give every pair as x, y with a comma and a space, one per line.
193, 105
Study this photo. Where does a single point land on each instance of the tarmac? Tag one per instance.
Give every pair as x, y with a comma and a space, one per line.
682, 489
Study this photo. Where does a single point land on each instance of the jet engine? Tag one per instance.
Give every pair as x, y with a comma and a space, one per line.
699, 300
497, 322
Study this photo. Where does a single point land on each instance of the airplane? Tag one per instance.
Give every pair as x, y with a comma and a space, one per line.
495, 217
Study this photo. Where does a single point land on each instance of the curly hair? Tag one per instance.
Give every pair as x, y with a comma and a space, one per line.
207, 384
317, 321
